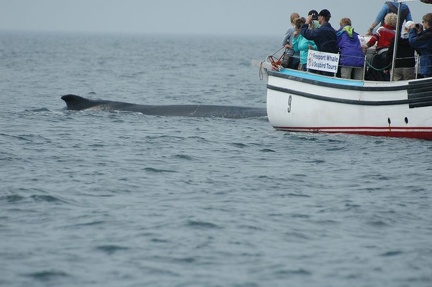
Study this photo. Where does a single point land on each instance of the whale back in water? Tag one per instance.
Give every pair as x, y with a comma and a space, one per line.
78, 103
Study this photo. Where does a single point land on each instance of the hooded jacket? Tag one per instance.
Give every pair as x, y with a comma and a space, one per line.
301, 44
351, 53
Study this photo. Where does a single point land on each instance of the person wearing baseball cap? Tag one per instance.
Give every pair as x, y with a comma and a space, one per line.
314, 23
325, 13
314, 14
325, 36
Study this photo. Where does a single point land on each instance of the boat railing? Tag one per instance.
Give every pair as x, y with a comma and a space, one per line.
275, 60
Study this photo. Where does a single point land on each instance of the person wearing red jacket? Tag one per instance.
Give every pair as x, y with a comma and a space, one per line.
382, 38
384, 34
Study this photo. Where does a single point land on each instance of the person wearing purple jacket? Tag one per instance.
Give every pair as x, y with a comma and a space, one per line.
351, 54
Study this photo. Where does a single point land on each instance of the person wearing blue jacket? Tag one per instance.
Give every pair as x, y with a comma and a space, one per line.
351, 60
390, 7
324, 36
422, 42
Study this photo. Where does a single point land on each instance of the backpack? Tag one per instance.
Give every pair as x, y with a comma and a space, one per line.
404, 13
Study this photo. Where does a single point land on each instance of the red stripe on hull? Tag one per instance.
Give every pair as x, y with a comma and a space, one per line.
414, 133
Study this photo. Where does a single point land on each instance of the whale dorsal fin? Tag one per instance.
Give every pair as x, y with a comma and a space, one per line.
77, 103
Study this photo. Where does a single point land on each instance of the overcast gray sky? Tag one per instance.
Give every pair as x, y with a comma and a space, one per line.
247, 17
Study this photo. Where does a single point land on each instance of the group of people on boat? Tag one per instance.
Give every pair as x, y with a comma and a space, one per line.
315, 32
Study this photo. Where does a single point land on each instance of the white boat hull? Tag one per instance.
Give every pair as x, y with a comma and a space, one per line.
306, 102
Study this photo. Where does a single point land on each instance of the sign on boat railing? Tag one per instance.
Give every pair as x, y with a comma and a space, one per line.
321, 61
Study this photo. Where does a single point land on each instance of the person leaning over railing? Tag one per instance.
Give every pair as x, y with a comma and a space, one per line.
351, 54
422, 42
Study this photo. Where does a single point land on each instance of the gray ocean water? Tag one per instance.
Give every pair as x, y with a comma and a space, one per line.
97, 198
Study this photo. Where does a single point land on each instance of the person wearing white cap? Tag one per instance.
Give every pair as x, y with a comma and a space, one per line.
404, 68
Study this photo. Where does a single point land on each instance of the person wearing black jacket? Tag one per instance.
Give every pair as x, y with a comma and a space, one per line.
405, 58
